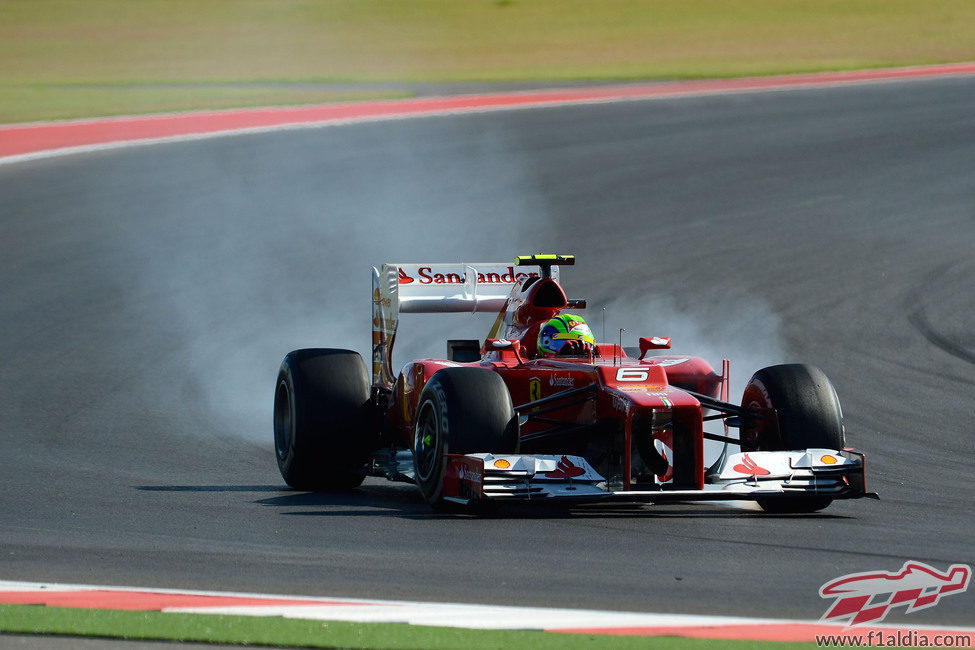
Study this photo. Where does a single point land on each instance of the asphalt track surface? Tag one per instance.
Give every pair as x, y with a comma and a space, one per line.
148, 295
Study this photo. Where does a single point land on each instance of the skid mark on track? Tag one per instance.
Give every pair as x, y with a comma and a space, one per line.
937, 311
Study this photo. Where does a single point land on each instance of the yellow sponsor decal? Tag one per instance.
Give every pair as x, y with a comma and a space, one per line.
501, 463
828, 460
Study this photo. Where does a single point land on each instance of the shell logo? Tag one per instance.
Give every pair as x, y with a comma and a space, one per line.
828, 460
501, 463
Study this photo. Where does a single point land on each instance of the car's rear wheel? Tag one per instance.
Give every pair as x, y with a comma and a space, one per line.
460, 411
808, 416
323, 424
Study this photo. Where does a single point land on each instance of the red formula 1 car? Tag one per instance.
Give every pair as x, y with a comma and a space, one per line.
497, 422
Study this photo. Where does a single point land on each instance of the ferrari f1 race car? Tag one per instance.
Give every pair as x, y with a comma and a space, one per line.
498, 421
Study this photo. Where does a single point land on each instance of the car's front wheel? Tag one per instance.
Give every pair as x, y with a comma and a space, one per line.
808, 416
460, 411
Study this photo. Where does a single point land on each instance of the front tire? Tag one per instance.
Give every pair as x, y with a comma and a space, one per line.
322, 419
460, 411
808, 416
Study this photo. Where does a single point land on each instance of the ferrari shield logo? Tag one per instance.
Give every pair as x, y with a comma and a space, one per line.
534, 389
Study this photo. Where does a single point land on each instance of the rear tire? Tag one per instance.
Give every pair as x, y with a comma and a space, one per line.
460, 411
323, 422
809, 416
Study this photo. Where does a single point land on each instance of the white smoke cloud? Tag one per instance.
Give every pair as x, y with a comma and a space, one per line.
257, 261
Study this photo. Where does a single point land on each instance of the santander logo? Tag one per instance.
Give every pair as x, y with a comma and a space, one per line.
432, 275
566, 469
748, 466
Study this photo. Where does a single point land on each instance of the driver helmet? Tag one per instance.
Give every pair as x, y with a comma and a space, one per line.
555, 333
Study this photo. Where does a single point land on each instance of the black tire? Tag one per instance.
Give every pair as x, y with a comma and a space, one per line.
808, 416
460, 411
323, 421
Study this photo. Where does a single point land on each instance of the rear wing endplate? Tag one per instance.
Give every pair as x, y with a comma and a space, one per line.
439, 288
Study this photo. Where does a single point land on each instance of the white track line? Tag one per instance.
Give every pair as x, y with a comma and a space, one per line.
470, 616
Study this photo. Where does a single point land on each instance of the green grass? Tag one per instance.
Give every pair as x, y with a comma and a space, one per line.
71, 58
34, 102
29, 619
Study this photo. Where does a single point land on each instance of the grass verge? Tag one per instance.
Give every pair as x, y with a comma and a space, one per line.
40, 102
250, 630
64, 58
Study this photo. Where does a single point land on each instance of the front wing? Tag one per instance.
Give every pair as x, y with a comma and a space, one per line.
751, 476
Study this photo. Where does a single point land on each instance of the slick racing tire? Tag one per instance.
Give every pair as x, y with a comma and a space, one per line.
460, 411
322, 419
808, 416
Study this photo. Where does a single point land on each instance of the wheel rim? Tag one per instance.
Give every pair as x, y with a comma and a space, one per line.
759, 437
426, 441
749, 437
282, 420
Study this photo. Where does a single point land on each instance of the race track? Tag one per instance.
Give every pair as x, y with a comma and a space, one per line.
148, 295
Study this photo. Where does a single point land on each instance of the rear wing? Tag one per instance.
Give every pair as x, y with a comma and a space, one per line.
442, 288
